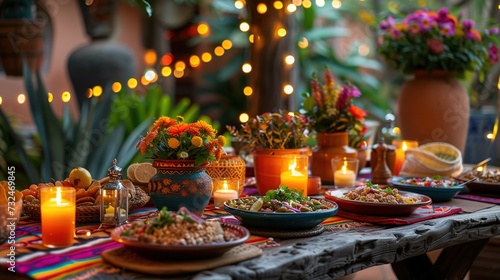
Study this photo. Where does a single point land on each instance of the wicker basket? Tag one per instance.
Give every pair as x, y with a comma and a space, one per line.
88, 214
232, 167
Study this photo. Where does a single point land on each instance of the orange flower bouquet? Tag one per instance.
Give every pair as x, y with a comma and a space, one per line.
172, 139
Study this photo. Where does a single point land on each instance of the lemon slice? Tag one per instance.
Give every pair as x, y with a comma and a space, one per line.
131, 171
144, 172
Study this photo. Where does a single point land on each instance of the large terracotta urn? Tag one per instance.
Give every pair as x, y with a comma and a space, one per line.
179, 183
267, 166
434, 107
330, 145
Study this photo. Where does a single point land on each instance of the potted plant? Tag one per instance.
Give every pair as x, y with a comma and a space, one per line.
437, 49
181, 151
332, 116
268, 137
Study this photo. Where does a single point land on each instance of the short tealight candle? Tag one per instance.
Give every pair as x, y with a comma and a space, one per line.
225, 189
344, 172
58, 213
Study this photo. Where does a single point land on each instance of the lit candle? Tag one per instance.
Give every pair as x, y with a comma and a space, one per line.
401, 147
224, 194
294, 179
58, 212
344, 178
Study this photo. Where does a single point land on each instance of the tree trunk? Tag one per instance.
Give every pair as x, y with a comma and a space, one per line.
269, 73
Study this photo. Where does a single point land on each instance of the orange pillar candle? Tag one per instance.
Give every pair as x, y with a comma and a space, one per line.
294, 173
401, 147
58, 212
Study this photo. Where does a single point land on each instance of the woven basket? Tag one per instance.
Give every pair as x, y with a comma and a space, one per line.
231, 167
88, 214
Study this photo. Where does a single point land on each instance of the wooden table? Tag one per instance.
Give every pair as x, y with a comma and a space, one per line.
341, 252
345, 249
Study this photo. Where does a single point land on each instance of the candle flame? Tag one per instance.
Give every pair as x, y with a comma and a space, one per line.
292, 167
58, 196
225, 186
404, 146
344, 167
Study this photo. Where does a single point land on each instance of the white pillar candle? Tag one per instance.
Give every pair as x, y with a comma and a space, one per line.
344, 178
220, 196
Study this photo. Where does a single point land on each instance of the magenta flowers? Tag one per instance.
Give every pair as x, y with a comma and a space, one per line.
429, 40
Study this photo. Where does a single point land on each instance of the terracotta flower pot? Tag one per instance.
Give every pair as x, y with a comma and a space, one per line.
434, 107
330, 145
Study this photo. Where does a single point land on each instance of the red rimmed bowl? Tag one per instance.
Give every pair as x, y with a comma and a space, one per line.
158, 251
376, 208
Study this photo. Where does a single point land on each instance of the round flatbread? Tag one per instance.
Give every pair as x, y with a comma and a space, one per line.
144, 172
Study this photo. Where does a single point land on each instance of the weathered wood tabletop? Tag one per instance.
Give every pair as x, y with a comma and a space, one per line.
337, 253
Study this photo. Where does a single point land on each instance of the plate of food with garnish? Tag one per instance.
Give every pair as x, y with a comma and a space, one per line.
179, 235
437, 187
370, 199
281, 209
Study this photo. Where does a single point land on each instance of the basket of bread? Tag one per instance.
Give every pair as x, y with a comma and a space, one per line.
87, 195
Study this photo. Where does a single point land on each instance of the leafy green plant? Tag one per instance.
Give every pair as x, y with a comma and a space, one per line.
284, 130
67, 142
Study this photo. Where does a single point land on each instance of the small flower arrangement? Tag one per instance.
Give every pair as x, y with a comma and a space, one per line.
284, 130
330, 108
428, 40
172, 139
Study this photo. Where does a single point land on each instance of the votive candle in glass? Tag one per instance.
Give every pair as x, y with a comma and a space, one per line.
225, 189
345, 171
294, 172
401, 147
58, 213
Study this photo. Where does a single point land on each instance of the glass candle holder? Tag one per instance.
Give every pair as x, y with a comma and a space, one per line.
345, 171
401, 147
225, 189
294, 171
58, 213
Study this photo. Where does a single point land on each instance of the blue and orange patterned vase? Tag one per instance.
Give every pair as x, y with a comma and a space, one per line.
179, 183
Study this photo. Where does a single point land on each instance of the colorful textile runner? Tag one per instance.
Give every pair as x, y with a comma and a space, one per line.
489, 198
83, 259
420, 214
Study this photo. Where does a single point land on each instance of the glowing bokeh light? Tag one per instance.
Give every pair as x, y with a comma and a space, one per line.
132, 83
166, 71
219, 51
50, 97
244, 117
116, 87
247, 91
150, 57
66, 97
203, 29
227, 44
289, 59
21, 98
278, 5
246, 68
97, 91
194, 61
261, 8
206, 57
288, 89
244, 26
282, 32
